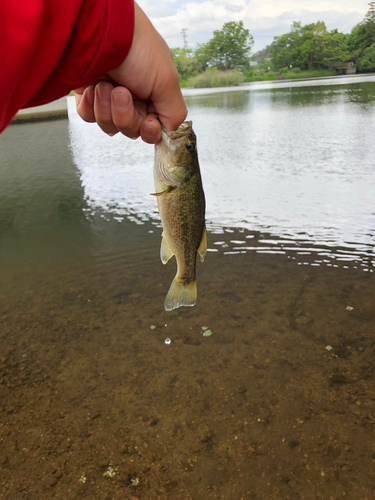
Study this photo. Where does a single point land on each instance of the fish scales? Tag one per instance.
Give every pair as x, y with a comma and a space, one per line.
181, 206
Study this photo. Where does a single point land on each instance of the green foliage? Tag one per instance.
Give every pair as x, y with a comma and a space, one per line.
287, 74
312, 73
261, 54
367, 61
215, 78
229, 48
185, 62
361, 39
259, 76
335, 48
263, 65
202, 56
310, 46
305, 51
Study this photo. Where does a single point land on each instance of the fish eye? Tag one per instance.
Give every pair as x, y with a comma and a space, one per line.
190, 147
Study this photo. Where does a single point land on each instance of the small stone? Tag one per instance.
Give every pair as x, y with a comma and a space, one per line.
292, 483
102, 462
54, 481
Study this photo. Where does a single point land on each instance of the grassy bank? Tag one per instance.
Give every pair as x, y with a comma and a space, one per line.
287, 74
215, 78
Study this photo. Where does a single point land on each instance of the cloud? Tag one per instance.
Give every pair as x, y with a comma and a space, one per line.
233, 8
264, 18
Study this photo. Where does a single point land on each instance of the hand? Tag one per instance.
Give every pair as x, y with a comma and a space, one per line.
146, 87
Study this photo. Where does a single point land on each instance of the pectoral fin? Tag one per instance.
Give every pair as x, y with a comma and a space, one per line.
203, 245
165, 251
169, 188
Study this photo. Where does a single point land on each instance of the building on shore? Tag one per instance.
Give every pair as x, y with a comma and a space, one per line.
346, 68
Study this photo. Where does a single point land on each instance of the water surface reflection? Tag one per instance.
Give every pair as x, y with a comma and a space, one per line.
293, 162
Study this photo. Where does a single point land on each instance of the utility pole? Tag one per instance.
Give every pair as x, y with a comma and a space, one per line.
184, 36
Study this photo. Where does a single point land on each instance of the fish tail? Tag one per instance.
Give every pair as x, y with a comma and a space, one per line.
180, 294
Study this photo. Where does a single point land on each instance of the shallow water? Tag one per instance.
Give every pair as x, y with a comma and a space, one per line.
278, 402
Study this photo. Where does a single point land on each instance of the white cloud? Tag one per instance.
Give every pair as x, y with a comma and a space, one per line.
261, 17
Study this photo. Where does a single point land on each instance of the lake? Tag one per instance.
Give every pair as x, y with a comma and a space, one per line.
278, 403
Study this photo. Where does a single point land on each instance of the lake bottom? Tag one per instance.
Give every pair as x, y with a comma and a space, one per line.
277, 403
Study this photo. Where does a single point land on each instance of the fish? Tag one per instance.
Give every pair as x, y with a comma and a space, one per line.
181, 204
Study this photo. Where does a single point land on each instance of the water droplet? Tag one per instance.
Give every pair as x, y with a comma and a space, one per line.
167, 341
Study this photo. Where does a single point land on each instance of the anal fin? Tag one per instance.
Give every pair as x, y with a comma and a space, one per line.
165, 251
202, 249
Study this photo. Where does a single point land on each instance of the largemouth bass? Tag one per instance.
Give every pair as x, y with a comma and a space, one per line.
181, 206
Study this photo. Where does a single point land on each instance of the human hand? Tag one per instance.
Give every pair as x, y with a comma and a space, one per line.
142, 89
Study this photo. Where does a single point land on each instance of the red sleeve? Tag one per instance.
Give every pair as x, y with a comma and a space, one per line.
49, 47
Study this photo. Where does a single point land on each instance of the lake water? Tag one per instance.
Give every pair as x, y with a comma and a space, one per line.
278, 402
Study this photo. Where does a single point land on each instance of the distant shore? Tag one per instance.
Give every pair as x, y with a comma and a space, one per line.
52, 111
267, 77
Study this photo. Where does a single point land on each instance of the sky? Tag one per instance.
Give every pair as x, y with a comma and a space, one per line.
264, 18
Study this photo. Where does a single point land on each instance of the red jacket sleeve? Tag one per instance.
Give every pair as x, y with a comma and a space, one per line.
49, 47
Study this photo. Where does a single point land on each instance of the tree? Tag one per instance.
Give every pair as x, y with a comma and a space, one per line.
307, 47
202, 55
311, 46
261, 54
335, 48
283, 48
229, 48
367, 61
183, 59
370, 16
362, 37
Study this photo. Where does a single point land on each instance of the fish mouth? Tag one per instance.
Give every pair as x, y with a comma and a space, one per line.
184, 129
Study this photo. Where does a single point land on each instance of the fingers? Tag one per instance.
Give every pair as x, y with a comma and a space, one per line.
102, 108
126, 117
150, 129
85, 103
115, 110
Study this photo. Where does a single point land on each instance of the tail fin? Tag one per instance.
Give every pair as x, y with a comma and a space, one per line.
180, 295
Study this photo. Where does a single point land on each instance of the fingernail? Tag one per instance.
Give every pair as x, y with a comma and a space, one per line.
104, 94
90, 95
121, 101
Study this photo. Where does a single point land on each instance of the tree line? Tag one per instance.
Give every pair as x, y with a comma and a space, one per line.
304, 47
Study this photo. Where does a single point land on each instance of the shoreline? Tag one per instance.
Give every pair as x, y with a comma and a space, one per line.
55, 110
